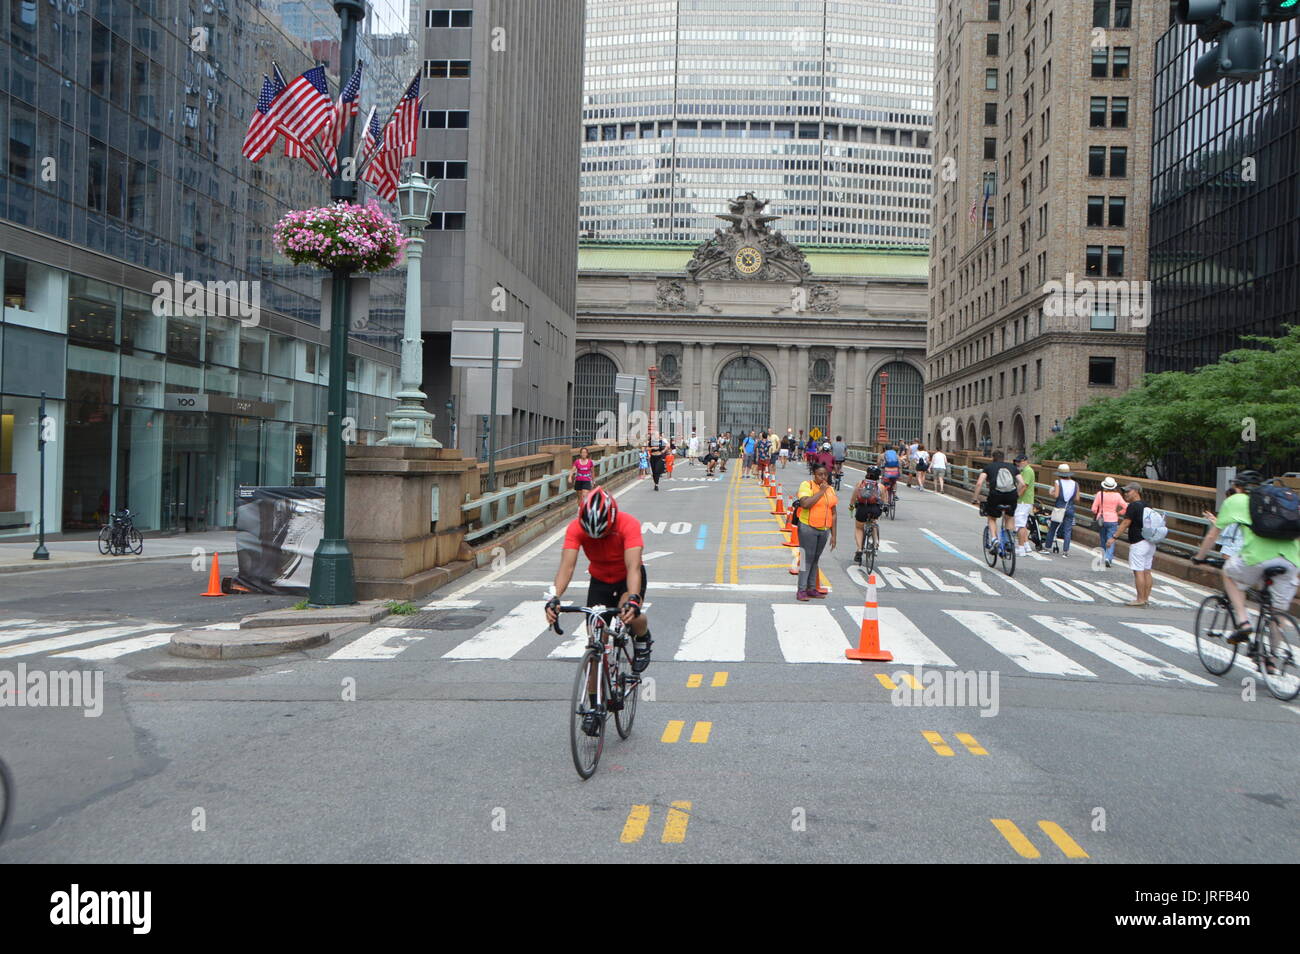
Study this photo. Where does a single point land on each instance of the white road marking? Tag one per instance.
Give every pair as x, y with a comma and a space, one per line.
960, 552
451, 604
1061, 588
13, 633
677, 490
646, 558
1025, 651
1183, 641
122, 647
376, 644
809, 634
1132, 660
507, 636
704, 587
715, 632
79, 639
900, 636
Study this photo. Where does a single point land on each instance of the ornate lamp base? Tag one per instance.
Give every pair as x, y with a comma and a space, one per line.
410, 425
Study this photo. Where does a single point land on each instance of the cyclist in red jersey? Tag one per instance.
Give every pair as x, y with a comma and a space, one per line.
612, 541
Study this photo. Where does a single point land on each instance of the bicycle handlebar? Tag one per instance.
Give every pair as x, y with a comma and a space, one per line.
574, 608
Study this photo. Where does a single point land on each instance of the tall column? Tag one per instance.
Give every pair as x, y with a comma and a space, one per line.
708, 399
799, 381
840, 399
781, 410
862, 403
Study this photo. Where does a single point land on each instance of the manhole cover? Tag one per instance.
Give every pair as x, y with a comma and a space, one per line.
437, 620
191, 673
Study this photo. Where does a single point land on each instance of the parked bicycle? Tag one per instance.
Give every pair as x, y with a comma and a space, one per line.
1274, 646
605, 675
119, 536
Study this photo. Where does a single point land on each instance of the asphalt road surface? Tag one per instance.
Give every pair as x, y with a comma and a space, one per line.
1073, 729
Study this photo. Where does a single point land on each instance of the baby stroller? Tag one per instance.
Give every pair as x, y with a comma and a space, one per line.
1040, 521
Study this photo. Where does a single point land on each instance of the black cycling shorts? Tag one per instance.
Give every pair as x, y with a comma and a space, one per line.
999, 505
864, 512
600, 593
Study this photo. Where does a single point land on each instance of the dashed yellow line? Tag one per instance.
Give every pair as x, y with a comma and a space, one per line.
886, 681
911, 681
719, 679
673, 731
693, 681
700, 734
675, 827
937, 742
1069, 847
968, 740
1023, 846
634, 827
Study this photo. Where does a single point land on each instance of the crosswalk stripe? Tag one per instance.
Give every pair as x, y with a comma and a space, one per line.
121, 647
571, 648
1024, 650
900, 636
715, 632
507, 636
809, 634
1132, 660
376, 644
1183, 641
76, 639
14, 633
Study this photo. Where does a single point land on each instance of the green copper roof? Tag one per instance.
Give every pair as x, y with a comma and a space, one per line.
866, 261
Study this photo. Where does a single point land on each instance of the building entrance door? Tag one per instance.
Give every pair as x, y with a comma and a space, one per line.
190, 496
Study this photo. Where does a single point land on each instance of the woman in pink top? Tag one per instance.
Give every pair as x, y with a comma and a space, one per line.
584, 470
1107, 506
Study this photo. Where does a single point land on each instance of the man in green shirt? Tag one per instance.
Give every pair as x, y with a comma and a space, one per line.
1257, 554
1024, 504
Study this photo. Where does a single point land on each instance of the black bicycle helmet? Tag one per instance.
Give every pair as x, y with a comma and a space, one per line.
1248, 478
873, 472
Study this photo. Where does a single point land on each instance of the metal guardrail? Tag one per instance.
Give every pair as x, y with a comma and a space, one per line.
1180, 542
505, 507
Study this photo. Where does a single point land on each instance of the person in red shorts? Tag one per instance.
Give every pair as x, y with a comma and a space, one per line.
612, 541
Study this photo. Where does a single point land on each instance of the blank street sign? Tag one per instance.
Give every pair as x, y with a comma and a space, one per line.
471, 344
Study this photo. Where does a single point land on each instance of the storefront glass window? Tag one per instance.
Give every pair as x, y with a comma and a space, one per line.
142, 380
88, 440
92, 312
220, 381
184, 335
142, 330
139, 465
33, 362
20, 475
223, 341
34, 295
182, 379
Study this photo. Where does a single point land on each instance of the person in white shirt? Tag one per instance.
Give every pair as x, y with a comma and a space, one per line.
921, 466
693, 448
911, 459
939, 468
1066, 492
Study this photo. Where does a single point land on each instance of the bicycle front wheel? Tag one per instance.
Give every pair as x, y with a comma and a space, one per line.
6, 798
586, 748
105, 540
628, 687
135, 542
1213, 623
1281, 643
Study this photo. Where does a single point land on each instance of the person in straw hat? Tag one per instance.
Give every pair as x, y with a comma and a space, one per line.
1066, 492
1107, 506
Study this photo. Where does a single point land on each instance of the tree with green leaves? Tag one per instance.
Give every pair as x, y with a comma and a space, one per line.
1244, 406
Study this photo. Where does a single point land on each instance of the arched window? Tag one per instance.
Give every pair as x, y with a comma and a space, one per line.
744, 397
904, 403
593, 395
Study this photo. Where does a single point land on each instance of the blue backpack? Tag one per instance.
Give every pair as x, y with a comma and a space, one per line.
1275, 512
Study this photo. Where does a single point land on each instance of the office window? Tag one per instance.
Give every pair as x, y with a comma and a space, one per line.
1115, 261
1097, 112
1123, 14
1096, 160
1119, 112
443, 19
1103, 317
991, 44
1119, 162
995, 10
1038, 374
1101, 13
1117, 210
990, 114
1119, 63
1094, 260
1096, 211
991, 79
1100, 59
438, 170
990, 148
447, 221
1101, 371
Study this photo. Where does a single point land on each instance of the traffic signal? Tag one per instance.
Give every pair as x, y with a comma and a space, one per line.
1236, 28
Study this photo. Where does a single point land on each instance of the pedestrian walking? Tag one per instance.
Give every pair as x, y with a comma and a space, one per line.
762, 454
669, 458
643, 464
911, 461
658, 451
1107, 506
816, 505
1024, 504
1141, 551
693, 449
1065, 491
938, 468
922, 466
580, 478
724, 451
747, 461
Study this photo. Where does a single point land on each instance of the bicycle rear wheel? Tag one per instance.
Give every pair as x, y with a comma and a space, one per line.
135, 542
105, 540
872, 548
628, 686
6, 798
1281, 644
990, 551
586, 748
1213, 622
893, 503
1008, 554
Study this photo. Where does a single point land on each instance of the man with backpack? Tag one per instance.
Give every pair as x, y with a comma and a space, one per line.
1005, 485
1146, 527
866, 507
1269, 519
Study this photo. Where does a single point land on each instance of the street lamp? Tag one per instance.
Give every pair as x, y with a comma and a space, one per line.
409, 424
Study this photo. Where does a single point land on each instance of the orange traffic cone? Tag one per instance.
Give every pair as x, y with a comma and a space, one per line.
780, 506
214, 580
792, 536
794, 562
869, 640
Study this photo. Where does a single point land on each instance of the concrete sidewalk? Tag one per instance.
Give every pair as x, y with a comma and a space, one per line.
17, 557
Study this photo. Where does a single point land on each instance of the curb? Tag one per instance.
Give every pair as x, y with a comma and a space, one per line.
367, 611
241, 644
101, 561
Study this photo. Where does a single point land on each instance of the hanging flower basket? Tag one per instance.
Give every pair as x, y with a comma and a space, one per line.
342, 236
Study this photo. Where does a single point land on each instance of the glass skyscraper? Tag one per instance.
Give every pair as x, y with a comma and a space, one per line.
823, 107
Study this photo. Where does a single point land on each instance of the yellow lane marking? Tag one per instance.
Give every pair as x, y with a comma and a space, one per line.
936, 740
767, 519
726, 524
634, 827
886, 681
824, 583
735, 549
764, 566
701, 731
719, 679
911, 681
694, 681
1063, 841
770, 546
675, 827
968, 740
673, 731
768, 530
1024, 848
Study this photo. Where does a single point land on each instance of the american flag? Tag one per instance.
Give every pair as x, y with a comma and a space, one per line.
262, 131
304, 108
344, 110
405, 127
385, 168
